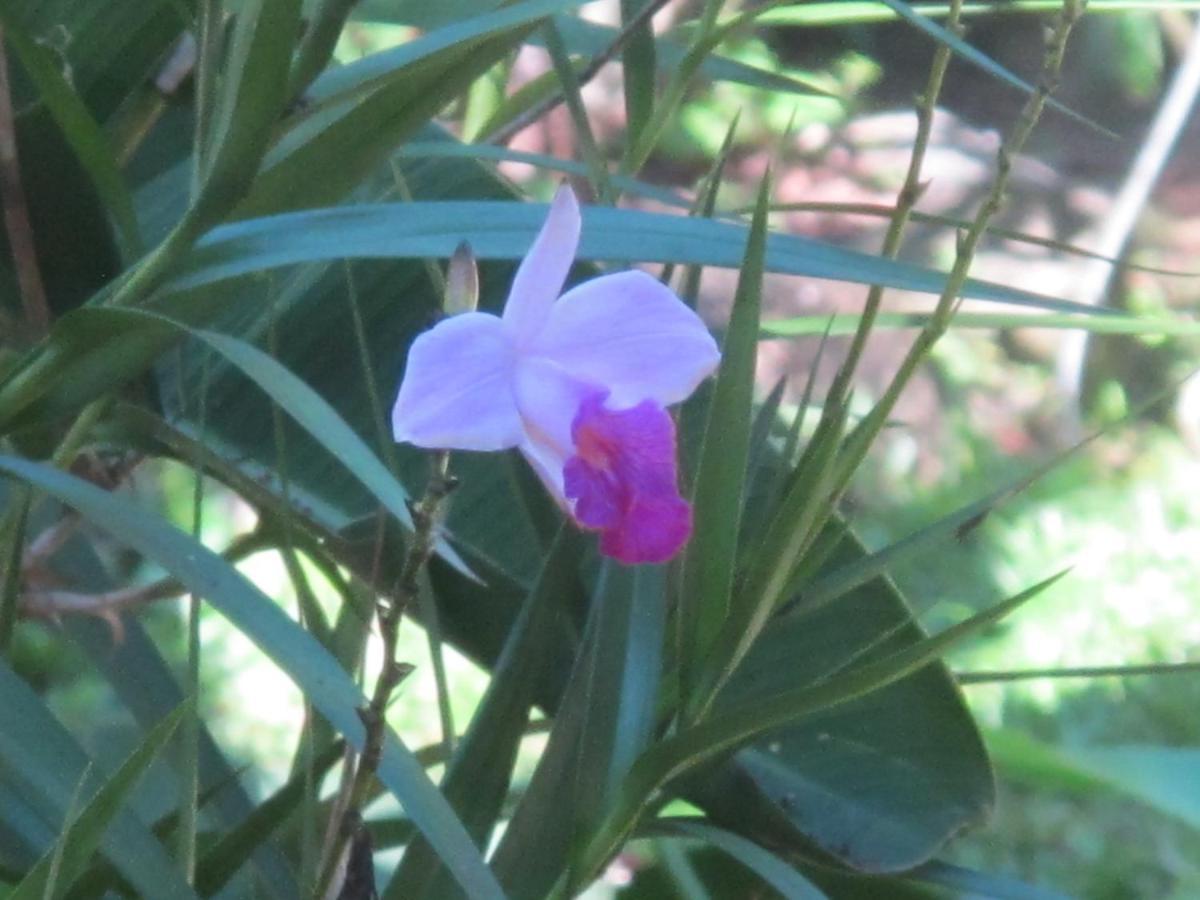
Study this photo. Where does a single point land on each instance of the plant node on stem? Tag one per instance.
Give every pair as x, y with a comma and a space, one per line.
389, 611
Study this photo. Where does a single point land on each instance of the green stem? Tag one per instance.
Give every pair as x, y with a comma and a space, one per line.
864, 433
906, 201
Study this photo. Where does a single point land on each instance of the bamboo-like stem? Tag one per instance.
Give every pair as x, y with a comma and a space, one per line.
426, 515
1056, 45
1119, 671
906, 201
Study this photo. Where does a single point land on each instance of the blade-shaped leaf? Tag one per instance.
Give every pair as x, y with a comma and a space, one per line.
254, 91
708, 568
146, 685
1157, 326
350, 136
57, 870
639, 68
477, 778
142, 329
1166, 779
43, 761
501, 230
730, 729
766, 865
234, 848
604, 719
81, 130
297, 653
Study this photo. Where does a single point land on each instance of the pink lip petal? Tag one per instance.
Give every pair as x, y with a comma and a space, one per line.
653, 531
624, 482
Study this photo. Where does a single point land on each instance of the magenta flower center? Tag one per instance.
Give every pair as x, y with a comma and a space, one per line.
624, 481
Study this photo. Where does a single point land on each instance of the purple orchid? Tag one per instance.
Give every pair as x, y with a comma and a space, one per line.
578, 383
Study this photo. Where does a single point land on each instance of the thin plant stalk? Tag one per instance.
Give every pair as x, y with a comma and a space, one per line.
906, 201
426, 516
1056, 45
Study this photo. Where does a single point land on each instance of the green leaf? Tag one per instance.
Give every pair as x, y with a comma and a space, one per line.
623, 689
321, 32
639, 69
734, 727
79, 371
1166, 779
880, 783
310, 666
591, 38
43, 762
14, 518
711, 555
1120, 324
365, 111
221, 861
973, 883
604, 715
564, 71
80, 129
731, 728
477, 778
588, 38
146, 685
57, 870
766, 865
887, 211
851, 12
253, 93
442, 33
504, 230
108, 55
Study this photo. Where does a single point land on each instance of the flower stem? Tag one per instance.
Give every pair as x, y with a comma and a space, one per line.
426, 515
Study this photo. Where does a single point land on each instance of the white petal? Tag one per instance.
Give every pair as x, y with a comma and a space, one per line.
548, 400
548, 466
543, 271
632, 335
457, 392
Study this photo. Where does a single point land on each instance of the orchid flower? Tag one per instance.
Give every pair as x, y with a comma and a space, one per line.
578, 383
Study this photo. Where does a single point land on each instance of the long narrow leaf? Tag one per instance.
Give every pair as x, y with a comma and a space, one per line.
766, 865
1124, 324
311, 411
965, 51
477, 778
83, 835
254, 91
45, 763
503, 230
708, 570
83, 133
233, 849
332, 691
728, 730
